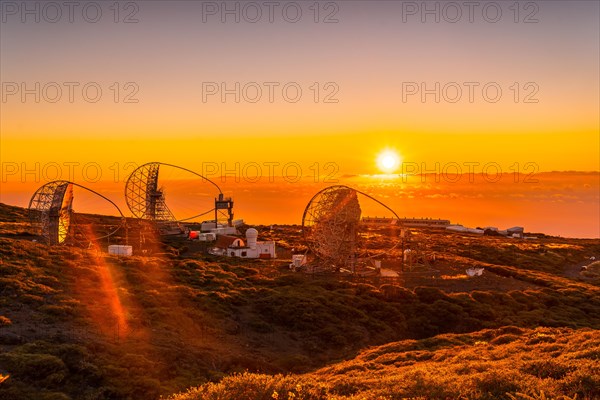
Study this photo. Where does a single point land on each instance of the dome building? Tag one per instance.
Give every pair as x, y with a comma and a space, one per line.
251, 249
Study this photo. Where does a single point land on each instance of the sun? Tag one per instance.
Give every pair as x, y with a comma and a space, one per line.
388, 161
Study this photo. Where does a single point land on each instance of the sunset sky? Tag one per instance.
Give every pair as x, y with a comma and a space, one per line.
544, 57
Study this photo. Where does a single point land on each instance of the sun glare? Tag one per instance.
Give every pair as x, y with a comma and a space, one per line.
388, 161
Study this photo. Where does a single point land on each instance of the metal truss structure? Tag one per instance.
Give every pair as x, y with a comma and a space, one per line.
51, 207
330, 225
146, 199
331, 229
143, 196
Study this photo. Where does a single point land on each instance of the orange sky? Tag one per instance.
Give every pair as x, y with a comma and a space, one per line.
355, 77
563, 204
367, 61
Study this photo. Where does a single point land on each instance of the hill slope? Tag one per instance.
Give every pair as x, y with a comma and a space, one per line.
492, 364
77, 323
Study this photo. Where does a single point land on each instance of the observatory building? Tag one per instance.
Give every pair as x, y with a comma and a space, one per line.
232, 246
408, 222
221, 229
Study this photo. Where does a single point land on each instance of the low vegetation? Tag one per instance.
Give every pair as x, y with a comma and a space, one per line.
507, 363
76, 323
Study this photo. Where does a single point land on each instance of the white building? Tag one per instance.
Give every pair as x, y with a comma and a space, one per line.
462, 229
120, 250
515, 231
221, 229
408, 222
232, 246
225, 230
206, 226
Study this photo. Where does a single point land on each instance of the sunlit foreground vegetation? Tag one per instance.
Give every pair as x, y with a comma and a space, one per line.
491, 364
78, 324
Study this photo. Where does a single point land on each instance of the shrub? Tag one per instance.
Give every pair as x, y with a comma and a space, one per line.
585, 382
260, 326
294, 363
504, 339
546, 369
429, 295
56, 310
33, 367
495, 384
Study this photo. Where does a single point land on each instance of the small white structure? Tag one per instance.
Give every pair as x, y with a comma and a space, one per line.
120, 250
462, 229
232, 246
221, 229
225, 230
471, 272
298, 260
516, 231
207, 237
206, 226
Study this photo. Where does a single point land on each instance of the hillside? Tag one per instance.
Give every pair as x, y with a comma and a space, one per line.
509, 362
77, 323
